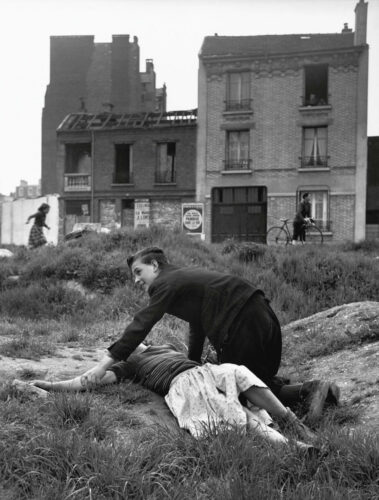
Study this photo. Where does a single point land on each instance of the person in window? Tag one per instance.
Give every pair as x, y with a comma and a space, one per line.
36, 236
302, 218
235, 316
201, 397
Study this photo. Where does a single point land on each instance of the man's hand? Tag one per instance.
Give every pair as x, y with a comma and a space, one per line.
91, 378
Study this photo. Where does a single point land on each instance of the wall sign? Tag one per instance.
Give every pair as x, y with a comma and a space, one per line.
192, 218
141, 212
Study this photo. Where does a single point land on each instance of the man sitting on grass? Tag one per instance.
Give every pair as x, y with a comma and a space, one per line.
201, 396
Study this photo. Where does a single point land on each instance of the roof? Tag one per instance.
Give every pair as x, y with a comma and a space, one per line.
264, 45
114, 121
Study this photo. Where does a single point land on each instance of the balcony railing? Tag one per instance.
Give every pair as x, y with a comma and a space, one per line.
122, 178
314, 161
237, 164
167, 177
238, 105
77, 182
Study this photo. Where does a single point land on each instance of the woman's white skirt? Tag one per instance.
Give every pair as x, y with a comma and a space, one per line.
206, 398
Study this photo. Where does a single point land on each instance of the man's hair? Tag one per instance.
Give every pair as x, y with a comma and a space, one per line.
305, 195
147, 255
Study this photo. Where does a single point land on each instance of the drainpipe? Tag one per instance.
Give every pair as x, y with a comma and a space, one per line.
92, 173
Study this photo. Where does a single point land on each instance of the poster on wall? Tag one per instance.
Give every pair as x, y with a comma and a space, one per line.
141, 213
192, 218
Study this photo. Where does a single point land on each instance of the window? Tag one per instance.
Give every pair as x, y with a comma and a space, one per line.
80, 208
319, 207
78, 158
237, 150
316, 85
165, 170
314, 147
123, 164
238, 91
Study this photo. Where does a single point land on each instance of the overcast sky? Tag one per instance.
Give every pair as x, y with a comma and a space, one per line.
169, 31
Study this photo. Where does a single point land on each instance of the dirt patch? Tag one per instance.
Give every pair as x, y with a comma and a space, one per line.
354, 369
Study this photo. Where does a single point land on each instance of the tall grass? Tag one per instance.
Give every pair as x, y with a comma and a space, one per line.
94, 446
299, 280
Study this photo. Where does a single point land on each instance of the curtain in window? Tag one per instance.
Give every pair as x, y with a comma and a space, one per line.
315, 146
239, 84
238, 146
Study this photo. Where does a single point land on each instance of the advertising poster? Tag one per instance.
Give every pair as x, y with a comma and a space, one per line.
141, 213
192, 218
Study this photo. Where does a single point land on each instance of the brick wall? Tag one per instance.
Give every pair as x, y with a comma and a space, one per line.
166, 213
98, 74
144, 143
275, 130
342, 217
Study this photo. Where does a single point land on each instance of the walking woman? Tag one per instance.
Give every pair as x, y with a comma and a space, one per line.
36, 236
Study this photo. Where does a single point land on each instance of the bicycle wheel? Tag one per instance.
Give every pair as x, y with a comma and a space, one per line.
314, 235
277, 236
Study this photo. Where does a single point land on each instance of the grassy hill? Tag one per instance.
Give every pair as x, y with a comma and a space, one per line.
81, 293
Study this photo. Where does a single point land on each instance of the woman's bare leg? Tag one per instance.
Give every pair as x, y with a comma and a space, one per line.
264, 398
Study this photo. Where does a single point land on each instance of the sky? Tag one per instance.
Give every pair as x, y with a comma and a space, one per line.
169, 31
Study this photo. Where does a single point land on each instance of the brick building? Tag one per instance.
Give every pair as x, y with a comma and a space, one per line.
126, 169
93, 77
279, 115
25, 190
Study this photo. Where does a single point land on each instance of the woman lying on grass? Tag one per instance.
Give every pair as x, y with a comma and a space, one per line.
202, 396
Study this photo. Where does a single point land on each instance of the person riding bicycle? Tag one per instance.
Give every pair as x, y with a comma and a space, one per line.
302, 219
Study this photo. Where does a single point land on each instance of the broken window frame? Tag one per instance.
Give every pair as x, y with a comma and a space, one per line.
165, 171
123, 163
316, 85
238, 91
76, 158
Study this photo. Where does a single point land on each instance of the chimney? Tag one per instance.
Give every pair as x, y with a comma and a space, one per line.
346, 28
360, 23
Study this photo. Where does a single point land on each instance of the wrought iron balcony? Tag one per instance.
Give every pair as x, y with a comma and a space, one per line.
238, 105
237, 164
314, 161
77, 182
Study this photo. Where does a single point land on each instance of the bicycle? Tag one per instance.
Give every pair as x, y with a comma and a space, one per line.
281, 235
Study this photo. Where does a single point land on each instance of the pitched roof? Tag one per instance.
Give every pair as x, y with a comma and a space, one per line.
263, 45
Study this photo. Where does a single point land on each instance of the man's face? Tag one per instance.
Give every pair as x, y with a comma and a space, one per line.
144, 274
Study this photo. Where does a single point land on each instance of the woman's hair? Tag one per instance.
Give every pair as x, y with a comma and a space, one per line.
43, 207
147, 255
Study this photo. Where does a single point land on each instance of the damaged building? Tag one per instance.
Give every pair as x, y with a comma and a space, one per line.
91, 77
278, 116
126, 170
110, 149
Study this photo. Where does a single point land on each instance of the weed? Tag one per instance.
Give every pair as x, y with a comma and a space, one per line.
26, 347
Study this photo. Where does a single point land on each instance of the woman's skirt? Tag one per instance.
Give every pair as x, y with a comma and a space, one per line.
36, 237
205, 398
